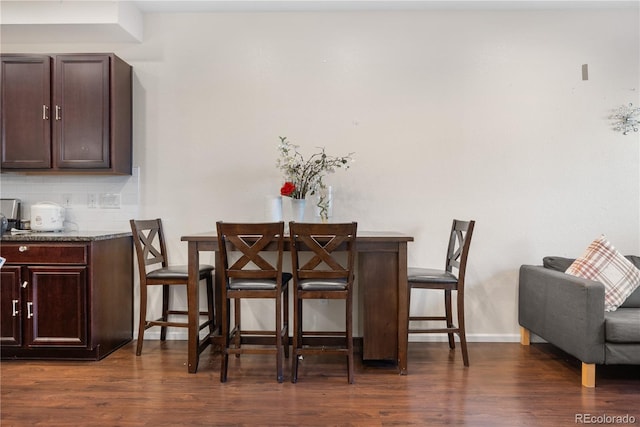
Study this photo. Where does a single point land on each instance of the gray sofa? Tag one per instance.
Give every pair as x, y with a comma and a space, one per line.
568, 312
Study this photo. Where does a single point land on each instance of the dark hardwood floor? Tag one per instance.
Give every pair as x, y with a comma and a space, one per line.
506, 385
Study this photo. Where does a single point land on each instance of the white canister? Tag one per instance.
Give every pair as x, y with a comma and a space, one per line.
47, 216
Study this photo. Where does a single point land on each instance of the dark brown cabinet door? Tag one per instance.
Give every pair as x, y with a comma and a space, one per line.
25, 104
81, 111
56, 307
66, 113
10, 306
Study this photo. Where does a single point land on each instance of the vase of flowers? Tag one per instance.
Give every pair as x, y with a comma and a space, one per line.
298, 207
324, 203
304, 177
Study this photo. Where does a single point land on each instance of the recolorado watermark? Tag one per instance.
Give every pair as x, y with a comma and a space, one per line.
604, 419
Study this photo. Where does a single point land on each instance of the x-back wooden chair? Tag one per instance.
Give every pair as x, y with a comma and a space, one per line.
446, 280
252, 276
326, 275
154, 270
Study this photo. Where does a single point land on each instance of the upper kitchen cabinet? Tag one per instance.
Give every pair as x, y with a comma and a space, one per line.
25, 101
66, 113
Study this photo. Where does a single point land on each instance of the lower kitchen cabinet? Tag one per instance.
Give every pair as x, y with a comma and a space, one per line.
66, 300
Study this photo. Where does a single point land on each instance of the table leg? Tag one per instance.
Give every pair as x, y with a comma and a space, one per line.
193, 307
403, 309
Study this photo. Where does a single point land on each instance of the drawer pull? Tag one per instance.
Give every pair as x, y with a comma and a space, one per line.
24, 284
15, 307
23, 248
29, 310
45, 112
58, 112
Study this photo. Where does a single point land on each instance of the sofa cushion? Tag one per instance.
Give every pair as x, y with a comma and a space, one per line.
635, 260
634, 299
557, 263
603, 263
622, 325
561, 264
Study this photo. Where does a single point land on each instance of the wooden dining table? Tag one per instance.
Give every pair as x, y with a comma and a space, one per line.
382, 293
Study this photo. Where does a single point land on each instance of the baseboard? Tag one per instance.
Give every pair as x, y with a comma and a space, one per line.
181, 335
470, 338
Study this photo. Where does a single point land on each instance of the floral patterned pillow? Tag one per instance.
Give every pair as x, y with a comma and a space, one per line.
603, 263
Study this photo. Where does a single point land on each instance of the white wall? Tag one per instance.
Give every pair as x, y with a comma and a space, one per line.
470, 114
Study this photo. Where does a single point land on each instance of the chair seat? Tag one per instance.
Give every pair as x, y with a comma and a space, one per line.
177, 272
258, 284
431, 275
323, 284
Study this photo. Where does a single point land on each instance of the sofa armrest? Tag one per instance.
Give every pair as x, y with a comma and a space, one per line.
564, 310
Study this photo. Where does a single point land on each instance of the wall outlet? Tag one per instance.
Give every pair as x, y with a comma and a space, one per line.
110, 200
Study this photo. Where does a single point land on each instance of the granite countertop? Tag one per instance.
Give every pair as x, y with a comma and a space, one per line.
63, 236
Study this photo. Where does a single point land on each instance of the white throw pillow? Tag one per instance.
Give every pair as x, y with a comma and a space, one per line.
603, 263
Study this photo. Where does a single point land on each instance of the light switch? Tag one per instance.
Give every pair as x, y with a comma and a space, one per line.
92, 200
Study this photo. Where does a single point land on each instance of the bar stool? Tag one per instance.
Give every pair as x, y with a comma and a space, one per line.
248, 274
325, 275
154, 270
445, 280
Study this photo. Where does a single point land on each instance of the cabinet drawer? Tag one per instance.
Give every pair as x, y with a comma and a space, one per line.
34, 253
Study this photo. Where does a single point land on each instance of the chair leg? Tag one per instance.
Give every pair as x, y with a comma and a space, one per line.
349, 324
210, 305
237, 326
461, 328
224, 358
165, 309
278, 332
449, 316
463, 346
297, 337
409, 309
285, 315
143, 318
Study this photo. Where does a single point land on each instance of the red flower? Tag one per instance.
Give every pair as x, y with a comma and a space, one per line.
288, 188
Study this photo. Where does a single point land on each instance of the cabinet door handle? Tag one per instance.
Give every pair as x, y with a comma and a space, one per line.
29, 310
23, 248
45, 112
15, 307
24, 284
58, 112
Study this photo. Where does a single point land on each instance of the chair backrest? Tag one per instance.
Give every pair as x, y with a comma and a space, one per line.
148, 238
458, 250
251, 241
325, 242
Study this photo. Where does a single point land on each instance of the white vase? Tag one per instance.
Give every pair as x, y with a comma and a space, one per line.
273, 208
297, 209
